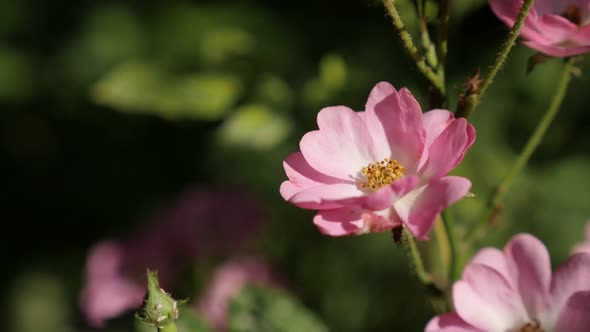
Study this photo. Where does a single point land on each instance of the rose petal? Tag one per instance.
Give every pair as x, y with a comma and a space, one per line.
419, 208
557, 51
450, 322
301, 176
448, 149
530, 260
574, 316
557, 27
495, 259
352, 221
435, 122
544, 7
394, 120
385, 197
342, 146
484, 299
571, 277
326, 196
583, 35
108, 292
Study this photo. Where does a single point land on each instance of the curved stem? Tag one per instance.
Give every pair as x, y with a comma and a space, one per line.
506, 47
449, 224
530, 147
411, 49
417, 259
442, 240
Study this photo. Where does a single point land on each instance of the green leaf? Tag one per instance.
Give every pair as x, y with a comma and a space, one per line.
275, 91
17, 78
146, 89
219, 45
132, 87
254, 126
333, 71
205, 96
258, 309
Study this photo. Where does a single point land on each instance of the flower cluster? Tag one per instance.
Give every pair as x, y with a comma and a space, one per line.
387, 167
195, 225
383, 168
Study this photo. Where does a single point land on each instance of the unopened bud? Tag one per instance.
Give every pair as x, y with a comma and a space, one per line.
160, 309
470, 96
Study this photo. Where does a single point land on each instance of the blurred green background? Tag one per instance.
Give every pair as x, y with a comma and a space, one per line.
110, 108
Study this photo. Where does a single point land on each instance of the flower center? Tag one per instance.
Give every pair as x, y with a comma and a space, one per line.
533, 326
381, 173
573, 14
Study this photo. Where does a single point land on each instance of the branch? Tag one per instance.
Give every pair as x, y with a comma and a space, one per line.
411, 49
468, 108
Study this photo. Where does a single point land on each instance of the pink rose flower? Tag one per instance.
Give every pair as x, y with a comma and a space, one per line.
584, 247
375, 170
228, 280
514, 290
108, 292
558, 28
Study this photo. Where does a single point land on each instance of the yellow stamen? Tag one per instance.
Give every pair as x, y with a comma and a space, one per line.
382, 173
533, 326
573, 14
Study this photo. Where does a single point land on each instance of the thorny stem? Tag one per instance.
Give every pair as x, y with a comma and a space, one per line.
502, 189
506, 47
411, 49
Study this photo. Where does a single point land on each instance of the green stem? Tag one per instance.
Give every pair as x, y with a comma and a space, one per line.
506, 47
530, 147
453, 271
428, 46
411, 49
443, 36
417, 259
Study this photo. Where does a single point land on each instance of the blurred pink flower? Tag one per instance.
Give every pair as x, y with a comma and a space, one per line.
375, 170
198, 223
227, 281
558, 28
108, 293
515, 290
584, 247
